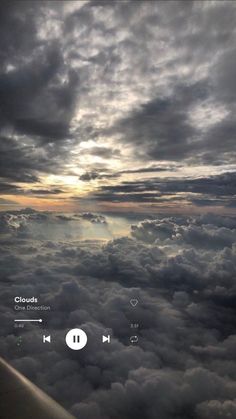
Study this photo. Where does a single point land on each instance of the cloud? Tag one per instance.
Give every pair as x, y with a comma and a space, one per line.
217, 409
8, 189
171, 135
181, 269
203, 236
35, 75
212, 190
52, 191
164, 124
94, 218
38, 96
87, 176
136, 82
105, 174
24, 162
7, 202
103, 152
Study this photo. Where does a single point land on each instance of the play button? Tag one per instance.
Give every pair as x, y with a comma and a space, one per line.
76, 339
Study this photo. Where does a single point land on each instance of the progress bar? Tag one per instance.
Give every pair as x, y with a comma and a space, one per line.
28, 320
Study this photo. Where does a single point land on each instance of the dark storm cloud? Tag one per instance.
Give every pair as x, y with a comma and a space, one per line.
47, 105
33, 98
201, 202
170, 135
223, 74
212, 190
134, 197
182, 271
38, 93
219, 142
52, 191
9, 189
164, 124
162, 128
21, 163
94, 218
17, 30
87, 176
151, 169
161, 62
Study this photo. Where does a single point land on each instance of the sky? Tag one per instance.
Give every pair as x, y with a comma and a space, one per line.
125, 106
118, 181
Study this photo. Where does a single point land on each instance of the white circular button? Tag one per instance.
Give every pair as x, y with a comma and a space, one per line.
76, 339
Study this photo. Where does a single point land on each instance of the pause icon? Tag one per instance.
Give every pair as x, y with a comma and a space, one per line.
76, 339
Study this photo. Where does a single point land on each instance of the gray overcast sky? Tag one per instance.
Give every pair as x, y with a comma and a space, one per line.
106, 104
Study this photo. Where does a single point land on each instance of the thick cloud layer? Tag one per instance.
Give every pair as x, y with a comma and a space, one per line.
182, 271
95, 91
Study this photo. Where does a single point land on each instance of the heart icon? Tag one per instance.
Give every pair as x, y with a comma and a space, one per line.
133, 302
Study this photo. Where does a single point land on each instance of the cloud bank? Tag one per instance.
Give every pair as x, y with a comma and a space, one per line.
182, 271
94, 94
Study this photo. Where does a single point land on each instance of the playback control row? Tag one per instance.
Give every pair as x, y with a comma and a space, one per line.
76, 339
